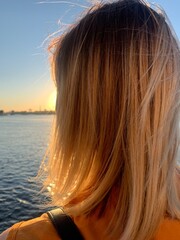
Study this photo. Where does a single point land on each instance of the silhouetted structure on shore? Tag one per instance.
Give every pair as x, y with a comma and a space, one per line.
45, 112
1, 112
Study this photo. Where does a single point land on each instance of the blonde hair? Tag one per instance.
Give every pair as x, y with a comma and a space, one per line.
116, 133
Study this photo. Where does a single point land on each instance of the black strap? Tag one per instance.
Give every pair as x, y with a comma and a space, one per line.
64, 225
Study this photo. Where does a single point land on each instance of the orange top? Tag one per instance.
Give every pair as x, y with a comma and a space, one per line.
42, 228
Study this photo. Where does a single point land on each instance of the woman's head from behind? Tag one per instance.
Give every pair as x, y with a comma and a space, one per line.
117, 79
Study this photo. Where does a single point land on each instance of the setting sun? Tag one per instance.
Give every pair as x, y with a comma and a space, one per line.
52, 100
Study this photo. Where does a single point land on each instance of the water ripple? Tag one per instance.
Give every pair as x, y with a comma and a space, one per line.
23, 141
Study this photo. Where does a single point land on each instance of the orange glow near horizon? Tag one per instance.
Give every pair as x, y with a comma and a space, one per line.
46, 102
52, 100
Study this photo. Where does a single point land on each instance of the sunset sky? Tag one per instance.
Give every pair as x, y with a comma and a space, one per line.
25, 81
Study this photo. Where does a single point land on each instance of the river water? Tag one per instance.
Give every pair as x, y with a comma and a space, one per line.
23, 143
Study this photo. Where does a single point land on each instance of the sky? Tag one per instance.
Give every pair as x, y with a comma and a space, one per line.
25, 30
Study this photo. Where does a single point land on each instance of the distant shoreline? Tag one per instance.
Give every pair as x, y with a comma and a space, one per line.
27, 113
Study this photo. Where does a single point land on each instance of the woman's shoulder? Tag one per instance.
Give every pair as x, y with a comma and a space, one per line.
42, 228
36, 228
169, 229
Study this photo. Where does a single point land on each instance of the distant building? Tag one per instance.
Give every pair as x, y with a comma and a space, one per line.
12, 112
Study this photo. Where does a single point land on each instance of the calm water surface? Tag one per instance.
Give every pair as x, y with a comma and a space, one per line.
23, 142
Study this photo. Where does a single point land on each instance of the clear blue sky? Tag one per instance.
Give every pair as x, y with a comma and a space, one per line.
24, 70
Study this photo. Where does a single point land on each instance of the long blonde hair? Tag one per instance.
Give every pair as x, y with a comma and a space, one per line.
117, 73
